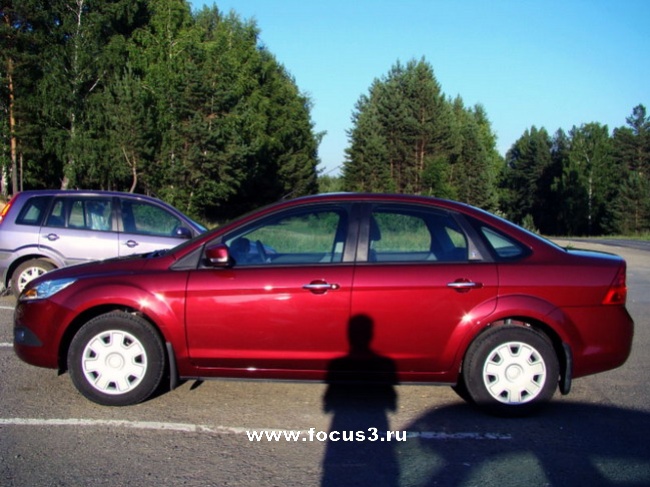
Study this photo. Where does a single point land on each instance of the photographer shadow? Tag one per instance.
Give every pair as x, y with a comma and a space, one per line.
360, 394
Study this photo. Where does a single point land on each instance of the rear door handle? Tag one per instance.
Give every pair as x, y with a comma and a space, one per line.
52, 237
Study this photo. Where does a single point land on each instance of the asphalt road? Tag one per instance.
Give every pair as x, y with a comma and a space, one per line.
198, 435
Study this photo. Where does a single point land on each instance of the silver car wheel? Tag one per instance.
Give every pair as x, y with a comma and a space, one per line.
29, 275
27, 272
114, 362
514, 373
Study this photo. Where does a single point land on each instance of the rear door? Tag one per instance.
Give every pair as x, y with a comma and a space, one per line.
422, 284
80, 229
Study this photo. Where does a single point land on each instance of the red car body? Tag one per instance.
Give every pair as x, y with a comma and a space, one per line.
271, 314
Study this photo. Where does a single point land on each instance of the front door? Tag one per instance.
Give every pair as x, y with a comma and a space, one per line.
283, 305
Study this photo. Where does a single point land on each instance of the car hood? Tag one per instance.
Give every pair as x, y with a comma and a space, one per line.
120, 265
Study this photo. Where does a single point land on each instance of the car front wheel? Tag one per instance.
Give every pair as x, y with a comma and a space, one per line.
510, 370
116, 359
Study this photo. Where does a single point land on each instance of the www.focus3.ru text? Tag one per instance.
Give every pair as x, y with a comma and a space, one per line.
371, 434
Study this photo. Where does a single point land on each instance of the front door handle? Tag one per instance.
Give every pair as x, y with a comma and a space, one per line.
131, 244
320, 287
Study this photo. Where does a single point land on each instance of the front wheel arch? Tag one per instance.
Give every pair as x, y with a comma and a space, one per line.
117, 359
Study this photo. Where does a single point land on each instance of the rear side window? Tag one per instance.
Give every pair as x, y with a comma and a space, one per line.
83, 213
503, 246
33, 211
415, 235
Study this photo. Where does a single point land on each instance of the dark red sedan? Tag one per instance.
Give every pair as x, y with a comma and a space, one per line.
346, 287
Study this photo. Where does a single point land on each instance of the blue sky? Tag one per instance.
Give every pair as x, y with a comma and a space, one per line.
553, 64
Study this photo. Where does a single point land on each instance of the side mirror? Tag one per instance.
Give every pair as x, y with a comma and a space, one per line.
218, 255
182, 232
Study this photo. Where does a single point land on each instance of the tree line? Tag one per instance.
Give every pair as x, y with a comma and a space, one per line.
148, 96
407, 136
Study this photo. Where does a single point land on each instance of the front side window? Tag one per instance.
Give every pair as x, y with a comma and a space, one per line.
146, 219
311, 237
414, 235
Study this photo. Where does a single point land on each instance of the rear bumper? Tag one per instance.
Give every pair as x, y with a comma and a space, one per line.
605, 335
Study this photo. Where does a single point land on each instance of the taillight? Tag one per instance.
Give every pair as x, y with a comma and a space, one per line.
617, 292
5, 210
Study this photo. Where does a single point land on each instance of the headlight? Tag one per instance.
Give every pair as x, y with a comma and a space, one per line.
46, 289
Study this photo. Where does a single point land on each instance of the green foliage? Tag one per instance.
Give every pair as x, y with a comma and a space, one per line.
527, 163
148, 96
408, 138
144, 95
330, 184
585, 182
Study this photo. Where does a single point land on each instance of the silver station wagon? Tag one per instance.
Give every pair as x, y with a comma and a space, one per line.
49, 229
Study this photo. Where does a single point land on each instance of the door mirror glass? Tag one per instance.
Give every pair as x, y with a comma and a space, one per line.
218, 255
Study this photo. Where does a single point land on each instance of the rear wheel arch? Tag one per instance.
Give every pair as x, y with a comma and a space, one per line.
536, 338
43, 261
554, 325
562, 349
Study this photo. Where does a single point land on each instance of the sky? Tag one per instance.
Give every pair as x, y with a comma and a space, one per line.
554, 64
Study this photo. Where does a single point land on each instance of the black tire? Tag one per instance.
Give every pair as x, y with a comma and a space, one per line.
510, 370
461, 389
27, 271
116, 359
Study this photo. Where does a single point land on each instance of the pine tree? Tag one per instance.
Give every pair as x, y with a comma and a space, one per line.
526, 162
631, 149
22, 30
402, 135
367, 168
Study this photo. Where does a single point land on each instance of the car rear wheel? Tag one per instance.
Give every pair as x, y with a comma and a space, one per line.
510, 370
26, 272
116, 359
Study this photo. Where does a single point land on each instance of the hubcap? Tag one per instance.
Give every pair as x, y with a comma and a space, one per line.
28, 275
114, 362
514, 373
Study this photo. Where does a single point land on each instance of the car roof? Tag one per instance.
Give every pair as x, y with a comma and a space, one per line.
89, 192
382, 198
20, 196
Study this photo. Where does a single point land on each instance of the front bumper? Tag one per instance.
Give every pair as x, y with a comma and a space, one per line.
37, 333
